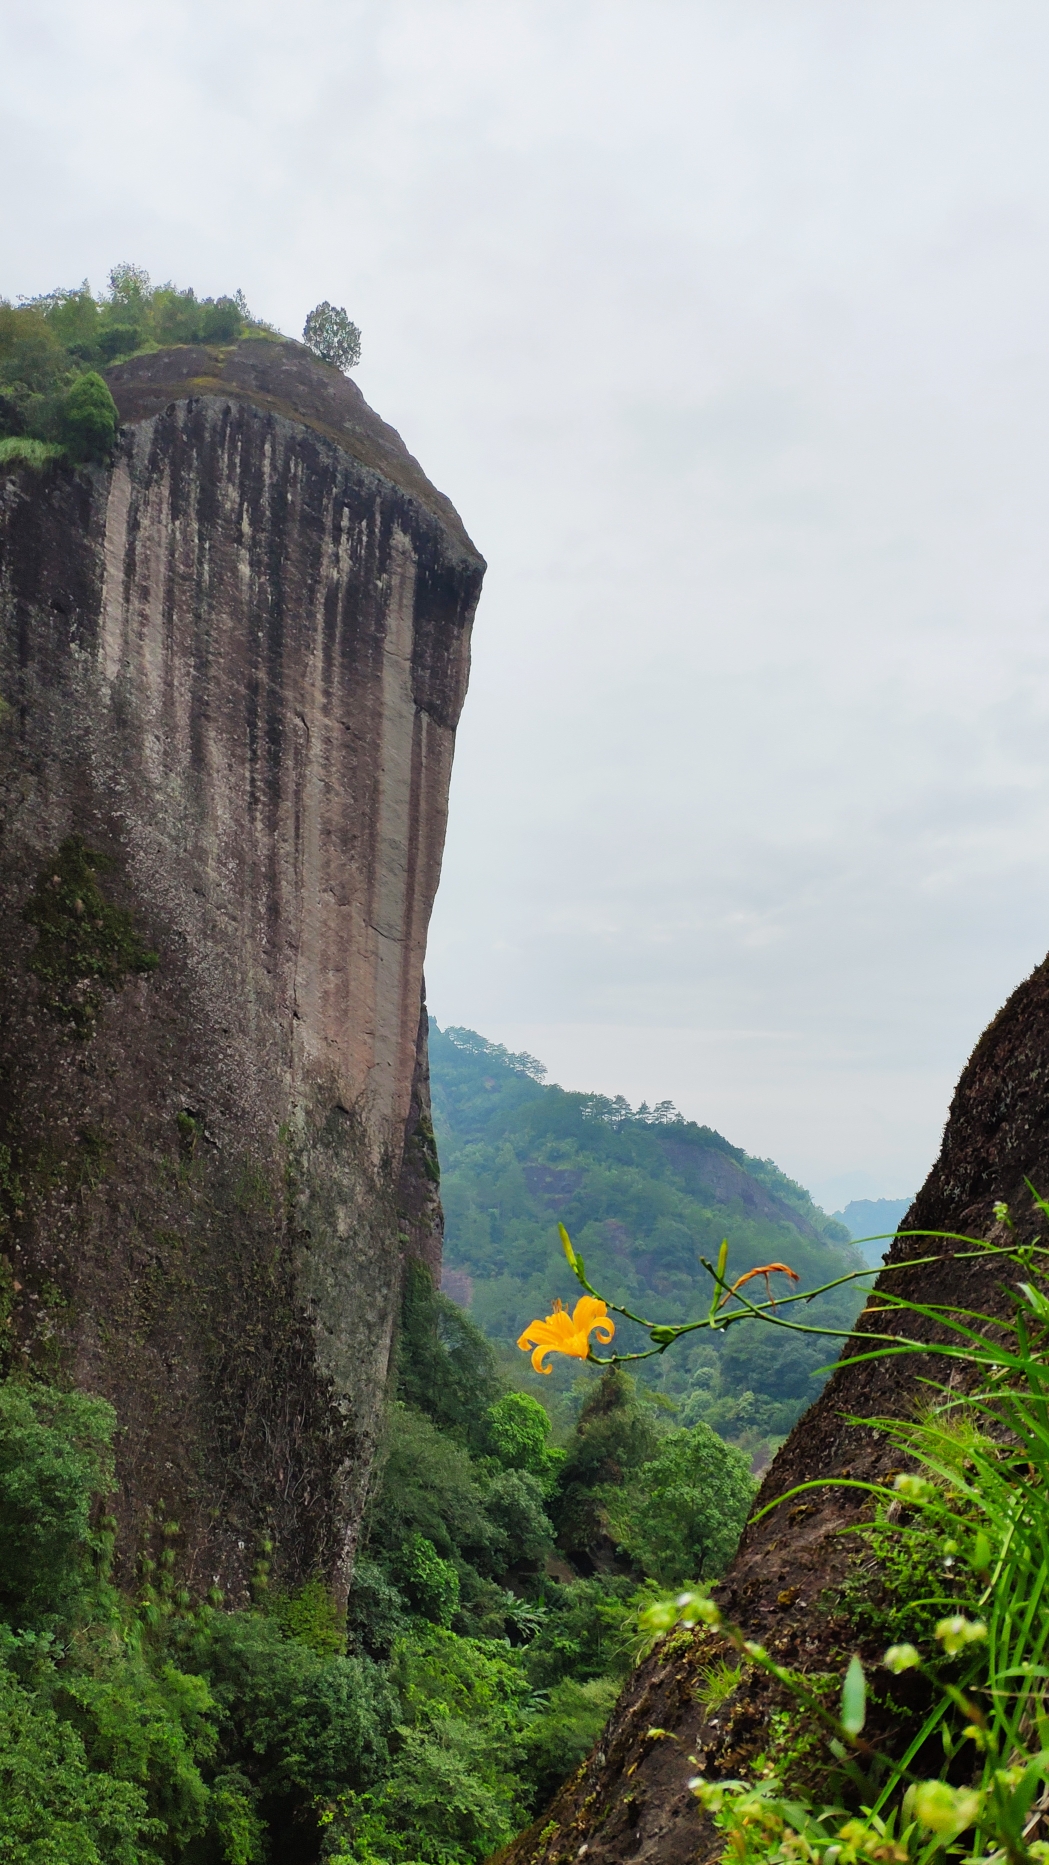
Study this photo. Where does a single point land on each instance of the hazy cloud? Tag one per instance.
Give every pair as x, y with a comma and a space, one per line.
724, 327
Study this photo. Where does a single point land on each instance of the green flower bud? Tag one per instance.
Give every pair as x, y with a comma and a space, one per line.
945, 1810
658, 1618
901, 1658
693, 1609
913, 1488
955, 1633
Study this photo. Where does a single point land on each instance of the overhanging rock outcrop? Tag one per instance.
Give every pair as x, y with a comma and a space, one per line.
232, 665
630, 1800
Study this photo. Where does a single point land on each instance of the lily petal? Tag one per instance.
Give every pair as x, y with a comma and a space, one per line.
568, 1334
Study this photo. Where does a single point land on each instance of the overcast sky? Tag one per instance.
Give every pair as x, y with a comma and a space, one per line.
726, 327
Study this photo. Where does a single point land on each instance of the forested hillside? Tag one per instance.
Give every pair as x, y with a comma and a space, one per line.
491, 1622
644, 1194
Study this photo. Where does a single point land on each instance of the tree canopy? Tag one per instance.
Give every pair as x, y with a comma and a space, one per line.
331, 334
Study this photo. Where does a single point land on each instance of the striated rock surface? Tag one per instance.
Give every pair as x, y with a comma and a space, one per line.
233, 664
630, 1800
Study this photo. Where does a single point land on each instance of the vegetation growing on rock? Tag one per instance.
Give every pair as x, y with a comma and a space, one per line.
54, 404
952, 1585
83, 940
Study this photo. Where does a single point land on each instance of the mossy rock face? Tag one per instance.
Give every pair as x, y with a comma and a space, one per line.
84, 941
427, 1144
233, 655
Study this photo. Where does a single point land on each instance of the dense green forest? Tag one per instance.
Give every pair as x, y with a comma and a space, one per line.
53, 401
492, 1618
644, 1194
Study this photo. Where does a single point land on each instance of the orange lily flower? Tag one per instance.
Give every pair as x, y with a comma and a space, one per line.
767, 1270
562, 1332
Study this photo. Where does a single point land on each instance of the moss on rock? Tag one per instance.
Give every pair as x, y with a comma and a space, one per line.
83, 940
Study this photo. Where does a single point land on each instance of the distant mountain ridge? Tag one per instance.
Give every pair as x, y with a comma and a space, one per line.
874, 1217
644, 1194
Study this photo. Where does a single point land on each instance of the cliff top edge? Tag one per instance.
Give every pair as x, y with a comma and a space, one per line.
284, 379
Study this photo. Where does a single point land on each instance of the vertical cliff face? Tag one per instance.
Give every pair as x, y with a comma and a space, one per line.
630, 1800
233, 665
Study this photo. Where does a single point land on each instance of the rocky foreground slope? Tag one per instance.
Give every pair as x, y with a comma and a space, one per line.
630, 1800
232, 663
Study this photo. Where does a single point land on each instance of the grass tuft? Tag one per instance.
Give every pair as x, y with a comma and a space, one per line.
20, 450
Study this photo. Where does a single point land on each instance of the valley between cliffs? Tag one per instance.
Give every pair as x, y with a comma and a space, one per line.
232, 661
630, 1800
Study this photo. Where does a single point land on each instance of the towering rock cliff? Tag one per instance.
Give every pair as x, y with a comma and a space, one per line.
232, 665
630, 1801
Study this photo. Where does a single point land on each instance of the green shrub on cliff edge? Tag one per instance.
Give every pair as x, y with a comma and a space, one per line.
333, 336
89, 418
53, 402
19, 450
